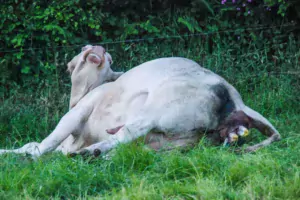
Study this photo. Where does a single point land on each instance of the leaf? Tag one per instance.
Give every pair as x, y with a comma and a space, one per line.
25, 70
208, 6
186, 23
52, 27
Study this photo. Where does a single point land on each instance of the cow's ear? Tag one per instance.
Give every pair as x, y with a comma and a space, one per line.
109, 58
71, 65
86, 47
116, 75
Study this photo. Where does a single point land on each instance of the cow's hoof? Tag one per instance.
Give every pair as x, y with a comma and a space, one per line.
238, 150
84, 152
72, 155
97, 152
250, 149
244, 150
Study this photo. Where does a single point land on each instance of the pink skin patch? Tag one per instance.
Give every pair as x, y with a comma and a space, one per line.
94, 59
114, 130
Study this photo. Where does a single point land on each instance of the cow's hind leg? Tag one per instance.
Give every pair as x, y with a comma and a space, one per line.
71, 122
133, 129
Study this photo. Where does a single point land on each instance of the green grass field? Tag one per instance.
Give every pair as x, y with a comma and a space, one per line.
270, 86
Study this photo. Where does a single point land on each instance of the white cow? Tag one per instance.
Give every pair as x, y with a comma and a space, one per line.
171, 100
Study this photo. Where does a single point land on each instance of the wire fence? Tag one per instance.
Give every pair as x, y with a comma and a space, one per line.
292, 25
255, 51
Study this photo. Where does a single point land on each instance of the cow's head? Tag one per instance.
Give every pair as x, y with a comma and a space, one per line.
90, 69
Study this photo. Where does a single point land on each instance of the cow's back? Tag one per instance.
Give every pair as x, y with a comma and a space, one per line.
152, 73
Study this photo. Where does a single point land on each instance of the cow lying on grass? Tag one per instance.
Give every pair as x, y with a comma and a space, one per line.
171, 101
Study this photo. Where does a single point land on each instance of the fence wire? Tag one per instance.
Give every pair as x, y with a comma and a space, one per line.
3, 50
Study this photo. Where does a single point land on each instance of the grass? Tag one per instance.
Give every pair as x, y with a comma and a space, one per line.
203, 172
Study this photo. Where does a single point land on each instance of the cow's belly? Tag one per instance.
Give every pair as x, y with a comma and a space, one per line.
110, 113
102, 119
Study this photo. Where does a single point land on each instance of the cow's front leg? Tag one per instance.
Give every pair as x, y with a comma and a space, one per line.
66, 126
29, 147
127, 133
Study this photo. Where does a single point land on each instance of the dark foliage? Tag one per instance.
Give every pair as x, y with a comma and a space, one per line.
38, 38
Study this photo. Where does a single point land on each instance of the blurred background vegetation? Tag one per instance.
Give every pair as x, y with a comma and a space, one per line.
38, 38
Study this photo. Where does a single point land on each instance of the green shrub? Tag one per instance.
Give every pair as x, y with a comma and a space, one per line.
38, 38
